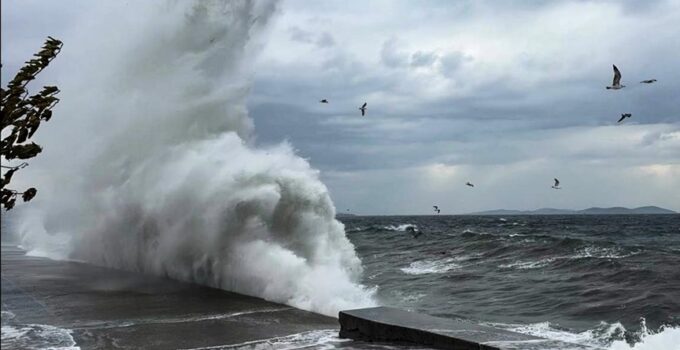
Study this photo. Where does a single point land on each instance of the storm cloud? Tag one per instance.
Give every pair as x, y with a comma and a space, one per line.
506, 94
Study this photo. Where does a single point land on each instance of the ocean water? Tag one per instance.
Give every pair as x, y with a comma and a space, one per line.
606, 281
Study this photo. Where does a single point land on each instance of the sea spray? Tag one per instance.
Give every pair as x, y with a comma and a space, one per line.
153, 170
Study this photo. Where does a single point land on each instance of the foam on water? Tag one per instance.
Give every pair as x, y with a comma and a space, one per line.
422, 267
606, 336
162, 176
401, 227
587, 252
526, 265
665, 338
602, 253
36, 337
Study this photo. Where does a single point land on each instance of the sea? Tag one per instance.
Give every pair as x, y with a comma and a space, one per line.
603, 281
609, 281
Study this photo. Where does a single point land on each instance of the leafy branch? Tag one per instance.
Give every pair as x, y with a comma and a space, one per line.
23, 114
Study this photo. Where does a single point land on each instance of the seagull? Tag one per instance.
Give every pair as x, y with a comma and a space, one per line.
436, 208
624, 116
469, 184
324, 101
616, 84
363, 109
557, 184
648, 81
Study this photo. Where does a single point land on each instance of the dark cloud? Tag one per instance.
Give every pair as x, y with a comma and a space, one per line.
496, 91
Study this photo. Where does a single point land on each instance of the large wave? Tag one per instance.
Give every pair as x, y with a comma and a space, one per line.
150, 165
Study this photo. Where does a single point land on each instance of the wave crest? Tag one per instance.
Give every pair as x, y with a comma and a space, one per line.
171, 184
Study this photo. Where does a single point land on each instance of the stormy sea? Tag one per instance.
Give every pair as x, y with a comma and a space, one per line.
166, 178
605, 281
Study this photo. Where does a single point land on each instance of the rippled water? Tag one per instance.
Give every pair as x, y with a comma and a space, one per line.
591, 278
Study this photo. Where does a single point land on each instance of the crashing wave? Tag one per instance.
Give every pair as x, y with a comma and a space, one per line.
170, 182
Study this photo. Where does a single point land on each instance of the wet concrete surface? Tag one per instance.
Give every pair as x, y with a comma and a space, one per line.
113, 309
390, 324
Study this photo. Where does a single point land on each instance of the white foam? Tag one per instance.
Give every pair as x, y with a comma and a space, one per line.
601, 253
163, 177
422, 267
529, 264
605, 336
37, 337
596, 337
400, 227
318, 339
665, 338
587, 252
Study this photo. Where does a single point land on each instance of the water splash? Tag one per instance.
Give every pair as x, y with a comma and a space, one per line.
163, 178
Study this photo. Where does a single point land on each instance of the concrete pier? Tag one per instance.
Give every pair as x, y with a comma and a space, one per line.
387, 324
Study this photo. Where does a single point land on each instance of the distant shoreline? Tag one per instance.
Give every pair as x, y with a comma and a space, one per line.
647, 210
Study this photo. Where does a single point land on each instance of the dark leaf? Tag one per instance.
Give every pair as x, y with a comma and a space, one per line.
23, 135
10, 203
8, 177
47, 115
27, 151
29, 194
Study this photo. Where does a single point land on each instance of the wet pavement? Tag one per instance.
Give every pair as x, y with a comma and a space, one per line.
103, 308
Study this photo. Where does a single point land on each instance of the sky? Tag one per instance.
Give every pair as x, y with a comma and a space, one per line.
504, 94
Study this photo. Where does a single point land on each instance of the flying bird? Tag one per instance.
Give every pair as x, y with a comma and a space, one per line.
363, 109
324, 101
470, 184
624, 116
648, 81
557, 184
436, 208
616, 84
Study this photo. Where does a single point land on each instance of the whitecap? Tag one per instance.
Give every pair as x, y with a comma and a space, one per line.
401, 227
422, 267
37, 336
608, 336
602, 253
529, 264
665, 338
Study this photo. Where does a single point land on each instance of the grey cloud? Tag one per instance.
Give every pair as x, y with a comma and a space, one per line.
300, 35
391, 56
421, 58
490, 123
325, 39
452, 62
322, 40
